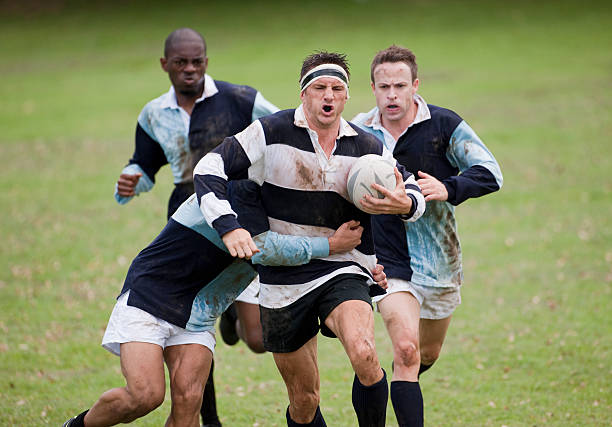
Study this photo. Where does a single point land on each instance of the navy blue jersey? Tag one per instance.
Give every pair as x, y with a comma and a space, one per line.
440, 143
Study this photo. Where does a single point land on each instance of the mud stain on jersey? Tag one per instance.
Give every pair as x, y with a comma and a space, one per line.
308, 178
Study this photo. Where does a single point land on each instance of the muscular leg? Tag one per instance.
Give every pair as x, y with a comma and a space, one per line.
248, 326
353, 323
142, 366
301, 375
400, 312
188, 367
432, 334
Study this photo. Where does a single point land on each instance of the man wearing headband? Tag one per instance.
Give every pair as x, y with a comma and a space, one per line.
422, 260
301, 159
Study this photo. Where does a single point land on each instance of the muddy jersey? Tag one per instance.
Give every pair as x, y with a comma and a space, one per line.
303, 193
443, 145
164, 130
187, 277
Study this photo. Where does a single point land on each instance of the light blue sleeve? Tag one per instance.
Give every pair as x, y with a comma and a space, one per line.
144, 183
262, 107
280, 249
276, 249
467, 150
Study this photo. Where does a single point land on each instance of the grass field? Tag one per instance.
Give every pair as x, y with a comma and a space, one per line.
531, 345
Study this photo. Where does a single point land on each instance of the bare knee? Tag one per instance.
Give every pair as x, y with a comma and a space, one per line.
187, 396
364, 359
406, 353
144, 401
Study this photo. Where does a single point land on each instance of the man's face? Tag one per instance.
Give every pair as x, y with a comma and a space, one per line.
394, 90
324, 102
186, 65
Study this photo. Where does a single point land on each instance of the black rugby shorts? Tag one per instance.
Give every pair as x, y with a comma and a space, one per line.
288, 328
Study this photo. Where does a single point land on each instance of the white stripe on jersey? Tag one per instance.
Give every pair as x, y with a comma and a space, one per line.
215, 208
284, 227
278, 296
212, 166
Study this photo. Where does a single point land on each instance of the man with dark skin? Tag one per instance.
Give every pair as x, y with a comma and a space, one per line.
164, 126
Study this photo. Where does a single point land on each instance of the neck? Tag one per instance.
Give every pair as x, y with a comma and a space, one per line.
187, 101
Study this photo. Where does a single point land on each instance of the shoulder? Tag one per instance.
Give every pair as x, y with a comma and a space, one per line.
368, 142
234, 90
364, 119
153, 109
280, 118
444, 116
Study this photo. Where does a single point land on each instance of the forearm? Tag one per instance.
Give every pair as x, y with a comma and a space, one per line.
279, 249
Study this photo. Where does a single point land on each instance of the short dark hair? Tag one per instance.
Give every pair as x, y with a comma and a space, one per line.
180, 34
395, 54
324, 57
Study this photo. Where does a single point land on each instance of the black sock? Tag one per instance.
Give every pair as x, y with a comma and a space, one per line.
370, 402
79, 420
407, 403
423, 368
317, 421
208, 411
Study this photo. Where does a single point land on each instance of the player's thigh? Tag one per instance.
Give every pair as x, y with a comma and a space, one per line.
431, 337
351, 321
248, 314
142, 365
188, 367
400, 313
299, 369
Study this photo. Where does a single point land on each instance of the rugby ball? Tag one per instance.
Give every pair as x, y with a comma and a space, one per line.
367, 170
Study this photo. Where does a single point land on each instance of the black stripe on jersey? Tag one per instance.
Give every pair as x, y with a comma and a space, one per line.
235, 160
205, 184
276, 131
368, 144
245, 199
148, 154
413, 207
295, 275
318, 208
413, 187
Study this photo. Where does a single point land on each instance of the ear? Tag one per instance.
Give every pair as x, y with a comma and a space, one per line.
302, 95
415, 84
164, 64
205, 63
372, 86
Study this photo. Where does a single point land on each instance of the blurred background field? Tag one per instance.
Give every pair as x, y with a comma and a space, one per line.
531, 345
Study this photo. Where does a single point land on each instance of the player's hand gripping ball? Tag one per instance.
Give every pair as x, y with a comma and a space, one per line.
367, 170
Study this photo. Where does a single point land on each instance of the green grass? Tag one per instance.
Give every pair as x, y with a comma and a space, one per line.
530, 345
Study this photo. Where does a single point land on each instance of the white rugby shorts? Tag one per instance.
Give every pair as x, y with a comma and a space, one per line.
436, 302
131, 324
250, 294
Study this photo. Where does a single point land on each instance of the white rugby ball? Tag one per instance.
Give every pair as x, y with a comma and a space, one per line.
367, 170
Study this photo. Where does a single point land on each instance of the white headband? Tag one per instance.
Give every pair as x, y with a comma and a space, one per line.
324, 70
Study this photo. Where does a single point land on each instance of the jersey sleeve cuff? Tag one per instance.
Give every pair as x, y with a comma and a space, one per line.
225, 223
320, 247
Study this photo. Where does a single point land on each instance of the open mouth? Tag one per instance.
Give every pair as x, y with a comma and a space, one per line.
327, 108
392, 107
